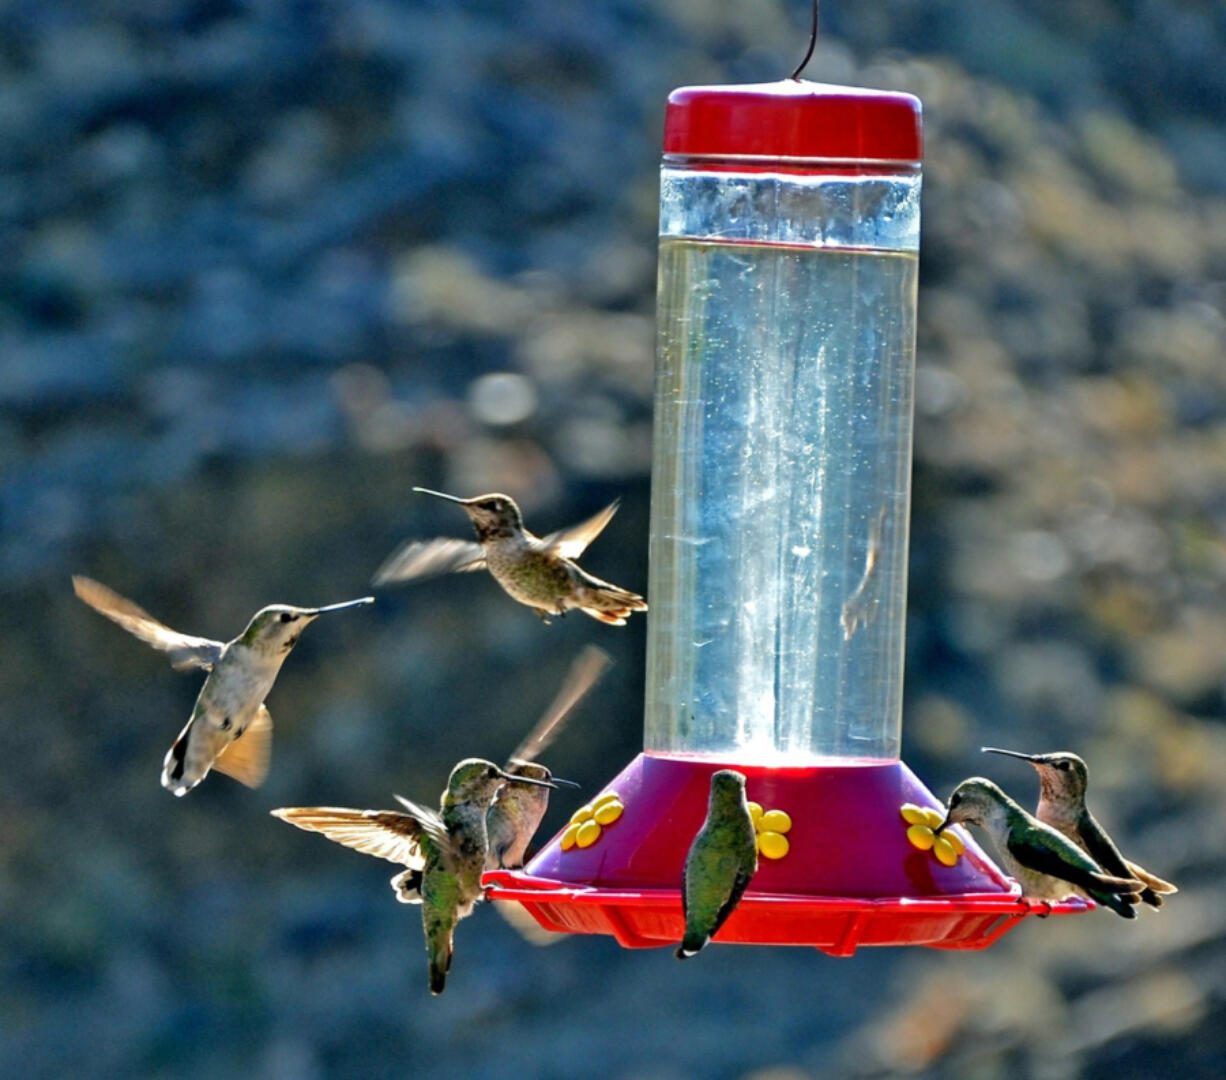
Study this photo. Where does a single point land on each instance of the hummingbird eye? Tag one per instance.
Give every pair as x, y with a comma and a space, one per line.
954, 801
287, 616
1063, 765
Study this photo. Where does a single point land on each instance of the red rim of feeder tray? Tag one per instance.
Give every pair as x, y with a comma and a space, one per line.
850, 876
794, 119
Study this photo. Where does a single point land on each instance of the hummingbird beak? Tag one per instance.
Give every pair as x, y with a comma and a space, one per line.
942, 827
441, 495
565, 783
528, 780
1007, 753
347, 604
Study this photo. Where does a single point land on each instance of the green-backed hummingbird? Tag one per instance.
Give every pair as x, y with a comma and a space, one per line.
444, 852
721, 860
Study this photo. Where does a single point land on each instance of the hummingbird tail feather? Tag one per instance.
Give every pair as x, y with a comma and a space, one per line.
692, 945
1155, 887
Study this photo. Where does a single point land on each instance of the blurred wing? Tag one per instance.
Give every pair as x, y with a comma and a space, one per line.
525, 925
386, 834
571, 543
584, 672
246, 758
430, 558
184, 651
430, 824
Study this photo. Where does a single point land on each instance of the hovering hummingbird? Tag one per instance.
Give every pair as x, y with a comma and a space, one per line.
444, 852
539, 571
1062, 805
1046, 864
722, 859
517, 811
231, 701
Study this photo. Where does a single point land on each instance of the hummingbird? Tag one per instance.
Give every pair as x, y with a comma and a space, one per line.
721, 860
1045, 863
1063, 778
231, 701
444, 853
517, 811
539, 571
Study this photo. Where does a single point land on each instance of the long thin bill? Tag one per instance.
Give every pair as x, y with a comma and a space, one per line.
1006, 753
347, 604
528, 780
440, 495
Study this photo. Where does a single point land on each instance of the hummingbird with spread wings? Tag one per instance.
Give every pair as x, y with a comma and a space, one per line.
230, 728
1046, 864
538, 571
444, 851
1063, 778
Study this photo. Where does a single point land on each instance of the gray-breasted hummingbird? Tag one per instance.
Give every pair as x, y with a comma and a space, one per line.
444, 852
1063, 778
720, 863
230, 704
1045, 863
539, 571
517, 810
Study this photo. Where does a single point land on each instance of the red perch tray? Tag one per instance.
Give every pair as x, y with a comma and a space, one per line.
850, 876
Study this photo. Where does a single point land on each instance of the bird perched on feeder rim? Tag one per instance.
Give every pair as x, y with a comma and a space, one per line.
540, 572
1063, 778
444, 852
720, 862
1046, 864
230, 706
517, 810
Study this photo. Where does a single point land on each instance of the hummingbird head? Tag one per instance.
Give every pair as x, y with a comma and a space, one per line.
276, 628
493, 515
973, 801
1063, 776
727, 790
477, 780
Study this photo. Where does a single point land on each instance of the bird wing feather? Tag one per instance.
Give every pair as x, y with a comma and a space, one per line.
430, 558
1101, 847
573, 542
1066, 861
246, 758
184, 650
584, 672
386, 834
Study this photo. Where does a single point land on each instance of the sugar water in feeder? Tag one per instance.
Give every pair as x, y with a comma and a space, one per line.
789, 238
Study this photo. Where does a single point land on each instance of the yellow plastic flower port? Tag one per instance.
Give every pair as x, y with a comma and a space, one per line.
587, 823
770, 825
922, 822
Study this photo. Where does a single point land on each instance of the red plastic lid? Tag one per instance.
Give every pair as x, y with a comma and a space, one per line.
794, 119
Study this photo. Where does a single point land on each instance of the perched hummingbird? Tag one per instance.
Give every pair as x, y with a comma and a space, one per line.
231, 701
1045, 863
1062, 805
722, 859
537, 571
444, 852
517, 811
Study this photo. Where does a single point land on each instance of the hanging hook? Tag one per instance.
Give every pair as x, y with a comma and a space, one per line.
812, 42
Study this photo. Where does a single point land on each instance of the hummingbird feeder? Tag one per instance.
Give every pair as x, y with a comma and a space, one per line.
781, 481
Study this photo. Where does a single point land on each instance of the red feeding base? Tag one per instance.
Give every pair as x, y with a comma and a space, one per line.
850, 876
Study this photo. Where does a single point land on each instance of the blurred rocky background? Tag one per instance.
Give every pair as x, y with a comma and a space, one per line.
266, 264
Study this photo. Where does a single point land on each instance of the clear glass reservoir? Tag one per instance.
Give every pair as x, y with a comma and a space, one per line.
782, 458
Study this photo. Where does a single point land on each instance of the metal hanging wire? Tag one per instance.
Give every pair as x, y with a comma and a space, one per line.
812, 41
